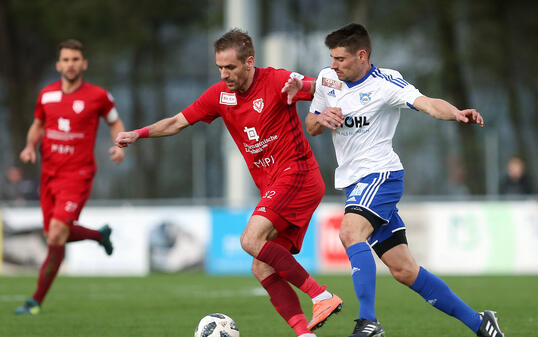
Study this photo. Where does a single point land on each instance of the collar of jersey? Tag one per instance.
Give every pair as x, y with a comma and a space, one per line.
360, 80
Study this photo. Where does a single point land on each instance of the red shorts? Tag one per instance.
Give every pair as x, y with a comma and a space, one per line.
289, 204
63, 198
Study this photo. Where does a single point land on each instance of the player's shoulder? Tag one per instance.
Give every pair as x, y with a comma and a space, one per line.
328, 73
388, 72
389, 78
279, 72
90, 89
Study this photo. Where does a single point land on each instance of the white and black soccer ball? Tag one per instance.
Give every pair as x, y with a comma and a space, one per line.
216, 325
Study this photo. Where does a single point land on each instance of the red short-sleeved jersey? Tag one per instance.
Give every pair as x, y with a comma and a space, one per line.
265, 128
71, 122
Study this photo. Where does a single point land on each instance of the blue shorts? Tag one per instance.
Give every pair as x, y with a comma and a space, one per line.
375, 197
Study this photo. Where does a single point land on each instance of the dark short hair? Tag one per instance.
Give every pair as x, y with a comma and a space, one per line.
353, 37
71, 44
237, 39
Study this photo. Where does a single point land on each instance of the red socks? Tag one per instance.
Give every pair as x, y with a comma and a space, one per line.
286, 302
288, 268
78, 233
48, 271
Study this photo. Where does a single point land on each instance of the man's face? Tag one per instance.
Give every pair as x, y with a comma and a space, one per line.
71, 64
232, 71
349, 67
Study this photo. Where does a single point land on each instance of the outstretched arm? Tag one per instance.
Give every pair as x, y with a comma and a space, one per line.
316, 123
35, 133
441, 109
164, 127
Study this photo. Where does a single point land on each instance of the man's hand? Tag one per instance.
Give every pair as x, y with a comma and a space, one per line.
469, 116
116, 154
28, 155
292, 87
125, 138
331, 118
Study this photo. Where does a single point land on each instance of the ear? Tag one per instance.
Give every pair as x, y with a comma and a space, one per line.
58, 69
84, 65
362, 54
250, 62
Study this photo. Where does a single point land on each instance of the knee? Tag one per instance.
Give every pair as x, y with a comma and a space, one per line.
249, 245
54, 238
58, 233
405, 273
352, 233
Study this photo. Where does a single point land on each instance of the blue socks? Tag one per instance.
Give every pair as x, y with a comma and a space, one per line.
436, 292
363, 273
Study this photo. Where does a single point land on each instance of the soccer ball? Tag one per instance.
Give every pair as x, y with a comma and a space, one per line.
216, 325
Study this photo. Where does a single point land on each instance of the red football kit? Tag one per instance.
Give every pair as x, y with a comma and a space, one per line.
269, 135
67, 158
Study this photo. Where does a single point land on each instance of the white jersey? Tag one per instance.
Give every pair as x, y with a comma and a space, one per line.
371, 109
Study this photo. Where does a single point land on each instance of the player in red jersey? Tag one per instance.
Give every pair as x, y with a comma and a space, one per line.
66, 119
268, 132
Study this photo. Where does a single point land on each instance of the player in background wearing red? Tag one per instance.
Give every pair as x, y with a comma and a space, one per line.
268, 132
66, 119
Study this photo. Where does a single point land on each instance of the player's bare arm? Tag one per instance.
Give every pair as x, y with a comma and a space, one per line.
35, 133
163, 128
294, 85
441, 109
116, 153
331, 118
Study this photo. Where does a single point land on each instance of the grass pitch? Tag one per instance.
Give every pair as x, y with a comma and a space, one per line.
171, 306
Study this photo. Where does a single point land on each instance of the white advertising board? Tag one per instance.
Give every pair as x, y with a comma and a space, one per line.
144, 238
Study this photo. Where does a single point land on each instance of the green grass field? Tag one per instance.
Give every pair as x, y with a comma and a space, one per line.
171, 306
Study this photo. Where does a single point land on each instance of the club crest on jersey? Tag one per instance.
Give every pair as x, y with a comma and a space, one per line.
327, 82
251, 133
258, 105
228, 98
78, 106
365, 98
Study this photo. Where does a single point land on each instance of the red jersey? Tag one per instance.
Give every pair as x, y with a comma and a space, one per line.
71, 122
265, 128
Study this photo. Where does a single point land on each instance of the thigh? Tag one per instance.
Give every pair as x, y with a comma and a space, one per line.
46, 200
289, 204
388, 236
70, 196
292, 199
398, 257
355, 228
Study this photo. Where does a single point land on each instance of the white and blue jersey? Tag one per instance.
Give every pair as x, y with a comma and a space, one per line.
371, 108
368, 168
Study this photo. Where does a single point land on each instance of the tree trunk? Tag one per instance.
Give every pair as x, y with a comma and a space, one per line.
455, 88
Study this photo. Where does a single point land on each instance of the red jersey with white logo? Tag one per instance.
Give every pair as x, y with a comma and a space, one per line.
71, 122
265, 128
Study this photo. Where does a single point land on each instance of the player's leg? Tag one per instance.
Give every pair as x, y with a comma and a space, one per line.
282, 296
77, 232
433, 289
79, 191
56, 237
254, 241
354, 233
276, 255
